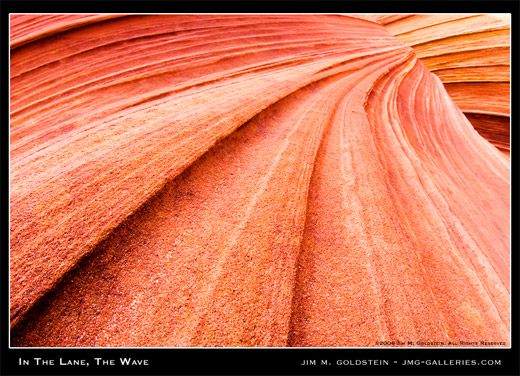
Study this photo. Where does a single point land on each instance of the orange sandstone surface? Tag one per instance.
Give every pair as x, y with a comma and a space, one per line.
247, 180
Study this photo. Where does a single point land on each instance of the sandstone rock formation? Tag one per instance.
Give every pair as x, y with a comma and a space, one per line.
232, 180
470, 53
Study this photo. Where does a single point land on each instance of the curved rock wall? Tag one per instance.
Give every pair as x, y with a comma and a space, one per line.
470, 53
232, 180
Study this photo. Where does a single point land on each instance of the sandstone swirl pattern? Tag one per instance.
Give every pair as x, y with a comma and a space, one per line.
470, 53
259, 180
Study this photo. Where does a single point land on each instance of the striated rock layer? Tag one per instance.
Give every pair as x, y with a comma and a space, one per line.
259, 180
470, 53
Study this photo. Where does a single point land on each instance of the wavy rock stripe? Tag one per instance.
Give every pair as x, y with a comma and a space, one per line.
397, 270
470, 53
302, 180
28, 27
